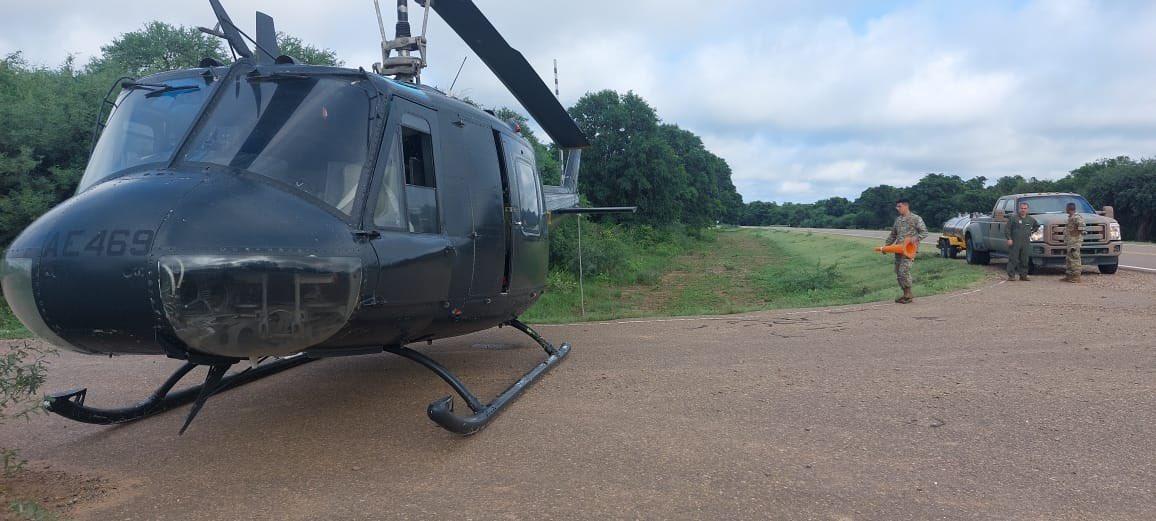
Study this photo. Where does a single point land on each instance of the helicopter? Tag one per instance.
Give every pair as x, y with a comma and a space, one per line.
278, 213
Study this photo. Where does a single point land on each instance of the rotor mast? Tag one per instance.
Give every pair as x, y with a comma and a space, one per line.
405, 66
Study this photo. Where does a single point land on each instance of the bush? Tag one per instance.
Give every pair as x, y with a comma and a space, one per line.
22, 373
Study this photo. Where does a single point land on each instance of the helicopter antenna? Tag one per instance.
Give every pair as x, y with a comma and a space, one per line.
405, 66
455, 82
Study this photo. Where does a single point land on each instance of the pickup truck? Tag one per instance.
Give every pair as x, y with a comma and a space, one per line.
1102, 245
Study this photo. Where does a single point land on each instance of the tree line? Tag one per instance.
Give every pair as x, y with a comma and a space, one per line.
47, 116
1126, 184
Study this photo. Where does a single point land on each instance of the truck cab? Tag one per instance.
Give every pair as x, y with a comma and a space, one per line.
1102, 244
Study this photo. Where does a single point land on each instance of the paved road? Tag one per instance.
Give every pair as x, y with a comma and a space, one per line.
1137, 256
1029, 400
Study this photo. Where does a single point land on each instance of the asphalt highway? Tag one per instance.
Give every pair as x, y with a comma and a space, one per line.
1015, 400
1137, 256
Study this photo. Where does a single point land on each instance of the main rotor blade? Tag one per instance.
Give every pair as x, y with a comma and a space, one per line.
512, 69
232, 35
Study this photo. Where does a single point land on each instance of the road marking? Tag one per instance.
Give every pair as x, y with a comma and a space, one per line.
1138, 268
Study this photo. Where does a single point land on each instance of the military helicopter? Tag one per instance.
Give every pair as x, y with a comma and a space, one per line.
278, 213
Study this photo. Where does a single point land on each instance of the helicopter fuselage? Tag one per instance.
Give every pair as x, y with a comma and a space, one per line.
265, 210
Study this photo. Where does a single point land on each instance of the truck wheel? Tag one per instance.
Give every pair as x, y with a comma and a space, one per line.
945, 251
975, 256
1108, 269
953, 251
1033, 268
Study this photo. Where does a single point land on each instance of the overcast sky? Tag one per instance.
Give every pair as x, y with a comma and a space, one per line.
804, 99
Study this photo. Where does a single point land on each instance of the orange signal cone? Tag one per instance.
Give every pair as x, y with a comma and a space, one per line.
906, 249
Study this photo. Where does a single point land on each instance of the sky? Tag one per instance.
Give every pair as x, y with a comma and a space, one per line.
804, 99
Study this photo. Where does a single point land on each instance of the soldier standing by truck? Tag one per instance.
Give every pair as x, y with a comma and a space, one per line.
1018, 234
908, 226
1073, 241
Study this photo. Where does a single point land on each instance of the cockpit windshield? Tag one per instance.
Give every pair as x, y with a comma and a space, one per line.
146, 126
308, 132
1056, 204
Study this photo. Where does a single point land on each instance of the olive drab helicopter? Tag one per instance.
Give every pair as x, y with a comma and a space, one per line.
276, 213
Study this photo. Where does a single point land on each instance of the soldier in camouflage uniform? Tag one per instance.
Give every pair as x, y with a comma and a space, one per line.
1073, 240
908, 226
1018, 233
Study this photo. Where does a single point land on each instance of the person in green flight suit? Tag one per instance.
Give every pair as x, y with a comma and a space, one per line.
908, 227
1018, 234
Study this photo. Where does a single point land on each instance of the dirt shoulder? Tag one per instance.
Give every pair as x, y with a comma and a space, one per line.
1013, 401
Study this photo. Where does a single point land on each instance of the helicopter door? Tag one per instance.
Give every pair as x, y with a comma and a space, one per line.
414, 255
529, 251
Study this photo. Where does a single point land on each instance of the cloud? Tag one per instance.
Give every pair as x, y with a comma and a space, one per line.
805, 100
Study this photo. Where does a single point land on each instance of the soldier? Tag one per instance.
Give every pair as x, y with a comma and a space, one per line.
908, 226
1073, 240
1018, 234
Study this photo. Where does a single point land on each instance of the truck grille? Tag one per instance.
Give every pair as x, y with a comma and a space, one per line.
1093, 233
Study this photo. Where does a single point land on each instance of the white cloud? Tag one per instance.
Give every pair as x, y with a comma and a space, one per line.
804, 99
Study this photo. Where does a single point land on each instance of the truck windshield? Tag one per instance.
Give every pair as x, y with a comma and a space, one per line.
145, 127
1056, 204
310, 133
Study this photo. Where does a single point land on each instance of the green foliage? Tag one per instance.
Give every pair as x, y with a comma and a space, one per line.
22, 372
1127, 185
549, 168
634, 159
157, 47
305, 53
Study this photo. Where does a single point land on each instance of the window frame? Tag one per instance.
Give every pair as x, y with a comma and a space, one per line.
404, 113
537, 188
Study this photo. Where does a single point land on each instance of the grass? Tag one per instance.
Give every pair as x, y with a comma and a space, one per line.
746, 270
10, 327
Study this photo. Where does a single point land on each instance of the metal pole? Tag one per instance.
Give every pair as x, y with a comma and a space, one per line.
581, 272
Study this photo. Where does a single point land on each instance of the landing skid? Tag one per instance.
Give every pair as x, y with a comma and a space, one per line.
70, 404
441, 411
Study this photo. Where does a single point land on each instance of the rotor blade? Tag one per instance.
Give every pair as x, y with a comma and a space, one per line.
232, 35
512, 69
267, 38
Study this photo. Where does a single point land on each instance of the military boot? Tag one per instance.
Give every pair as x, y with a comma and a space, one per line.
1075, 278
1024, 278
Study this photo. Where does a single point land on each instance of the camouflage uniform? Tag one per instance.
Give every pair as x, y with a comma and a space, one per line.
910, 225
1019, 231
1073, 240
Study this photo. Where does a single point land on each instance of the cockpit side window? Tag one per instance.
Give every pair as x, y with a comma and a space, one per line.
417, 156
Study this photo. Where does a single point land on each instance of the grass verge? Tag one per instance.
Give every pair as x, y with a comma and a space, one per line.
10, 327
732, 271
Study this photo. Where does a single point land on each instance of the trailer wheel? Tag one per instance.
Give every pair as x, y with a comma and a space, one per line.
974, 256
953, 252
1108, 269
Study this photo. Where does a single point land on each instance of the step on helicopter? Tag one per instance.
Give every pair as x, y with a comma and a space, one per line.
277, 213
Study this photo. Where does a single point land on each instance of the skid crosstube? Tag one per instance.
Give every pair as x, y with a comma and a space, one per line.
70, 404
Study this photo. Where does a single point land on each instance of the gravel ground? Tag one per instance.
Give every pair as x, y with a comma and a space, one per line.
1025, 400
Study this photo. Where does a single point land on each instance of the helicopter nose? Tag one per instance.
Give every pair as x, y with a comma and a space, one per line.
81, 276
215, 263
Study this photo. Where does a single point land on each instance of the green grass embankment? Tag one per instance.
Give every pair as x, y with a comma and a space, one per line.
732, 271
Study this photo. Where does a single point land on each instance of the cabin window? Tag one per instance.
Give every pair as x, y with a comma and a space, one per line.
420, 180
387, 212
529, 198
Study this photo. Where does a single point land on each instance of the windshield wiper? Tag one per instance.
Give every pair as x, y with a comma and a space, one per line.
156, 89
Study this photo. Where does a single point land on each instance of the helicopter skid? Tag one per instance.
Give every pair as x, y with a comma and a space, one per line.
441, 411
70, 404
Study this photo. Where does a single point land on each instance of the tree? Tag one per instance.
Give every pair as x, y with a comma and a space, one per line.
549, 169
305, 53
157, 47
